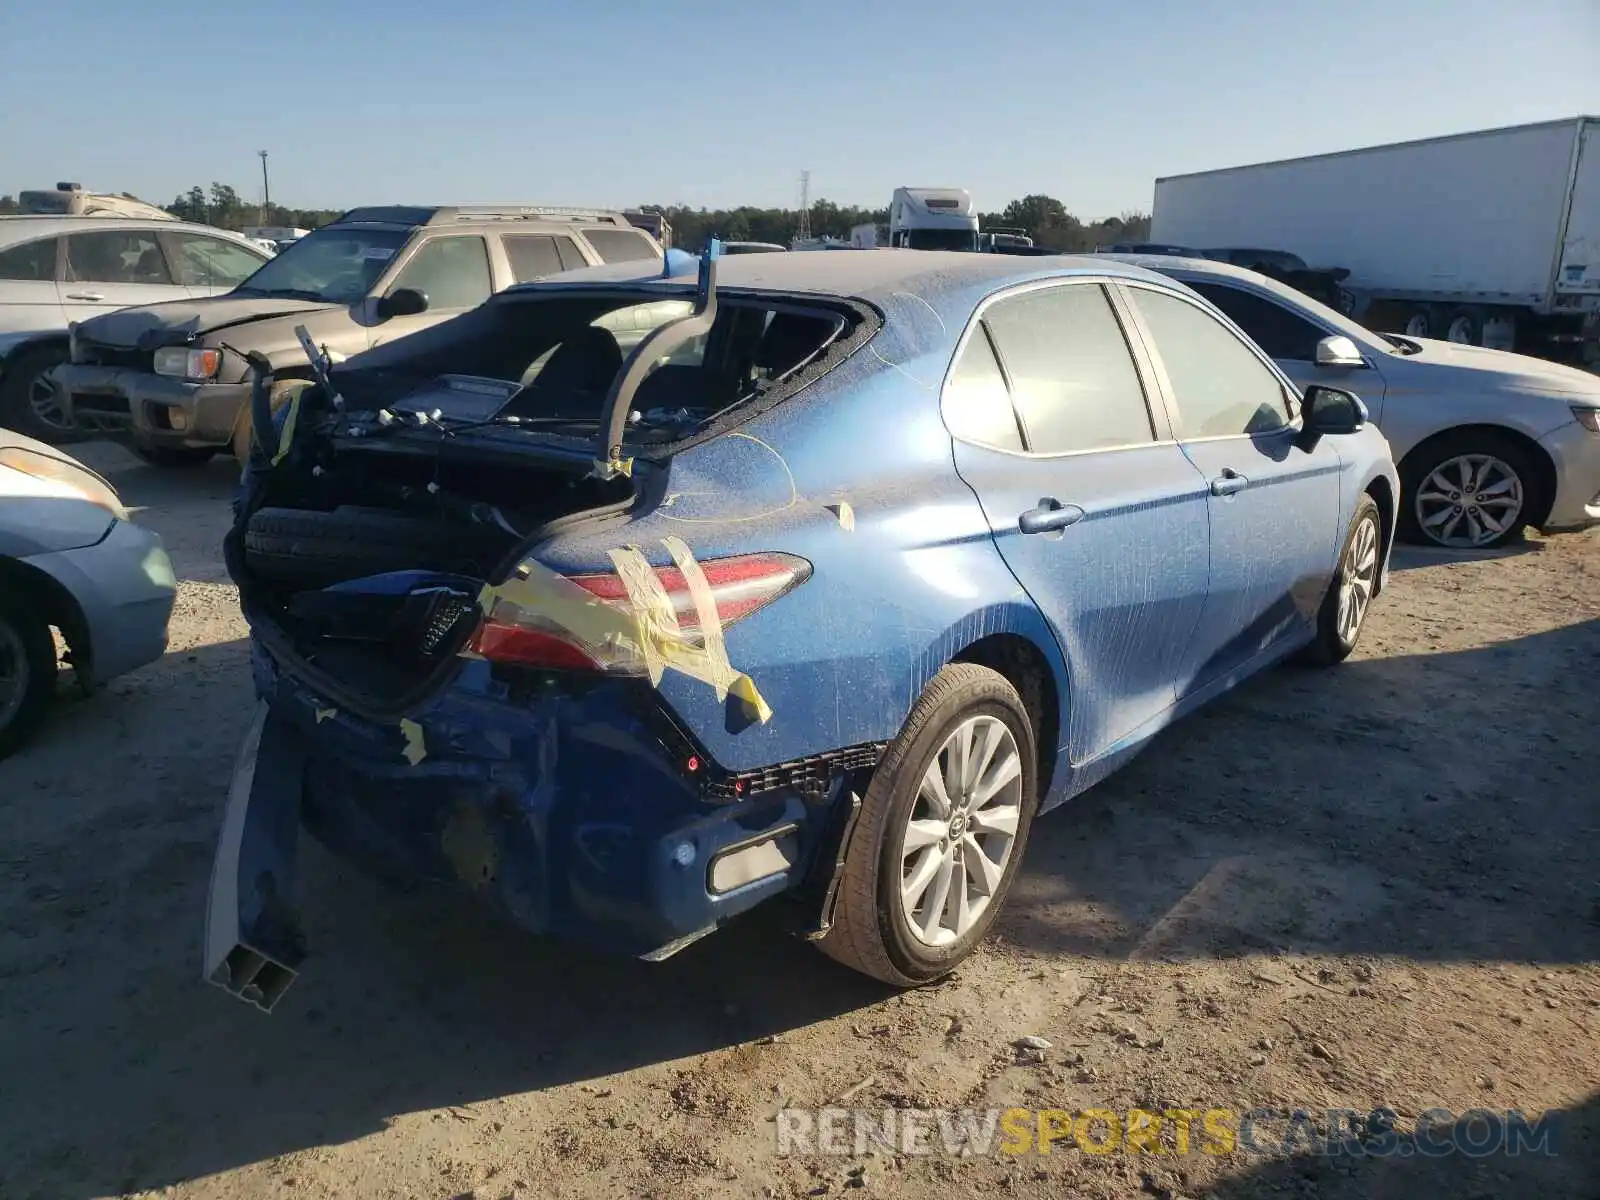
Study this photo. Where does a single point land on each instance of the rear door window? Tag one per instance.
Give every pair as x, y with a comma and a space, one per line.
1281, 333
116, 256
621, 245
1072, 375
1222, 387
453, 272
32, 261
534, 256
977, 406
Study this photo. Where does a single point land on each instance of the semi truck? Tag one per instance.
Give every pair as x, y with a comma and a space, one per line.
1490, 238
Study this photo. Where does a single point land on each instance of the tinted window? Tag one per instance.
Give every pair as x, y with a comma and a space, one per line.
532, 257
977, 407
1221, 387
116, 256
571, 257
212, 262
620, 245
1072, 376
1277, 330
453, 272
336, 263
31, 260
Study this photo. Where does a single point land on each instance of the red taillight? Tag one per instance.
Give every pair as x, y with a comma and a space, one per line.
519, 631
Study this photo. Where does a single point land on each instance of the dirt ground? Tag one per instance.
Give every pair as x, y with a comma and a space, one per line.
1376, 886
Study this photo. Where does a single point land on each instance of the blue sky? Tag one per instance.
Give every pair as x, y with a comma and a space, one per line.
618, 102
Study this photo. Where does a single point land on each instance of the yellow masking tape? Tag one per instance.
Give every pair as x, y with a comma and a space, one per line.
324, 713
612, 468
648, 627
846, 515
286, 437
416, 749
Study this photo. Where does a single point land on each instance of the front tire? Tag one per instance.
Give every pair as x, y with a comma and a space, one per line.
27, 672
942, 830
1344, 609
1467, 491
27, 402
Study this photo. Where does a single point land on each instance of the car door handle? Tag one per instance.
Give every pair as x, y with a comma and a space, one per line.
1229, 482
1050, 516
96, 296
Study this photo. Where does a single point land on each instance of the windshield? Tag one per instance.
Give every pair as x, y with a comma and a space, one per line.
334, 264
942, 239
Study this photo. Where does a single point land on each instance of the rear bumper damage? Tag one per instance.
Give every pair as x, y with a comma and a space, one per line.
571, 811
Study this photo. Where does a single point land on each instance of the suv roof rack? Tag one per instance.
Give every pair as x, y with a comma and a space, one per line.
405, 214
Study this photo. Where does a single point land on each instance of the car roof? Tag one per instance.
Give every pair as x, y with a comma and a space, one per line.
14, 229
949, 282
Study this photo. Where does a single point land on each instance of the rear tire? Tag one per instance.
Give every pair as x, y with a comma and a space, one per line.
27, 671
1349, 599
19, 387
1463, 326
898, 837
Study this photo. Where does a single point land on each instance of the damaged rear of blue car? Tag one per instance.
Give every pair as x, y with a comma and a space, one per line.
629, 604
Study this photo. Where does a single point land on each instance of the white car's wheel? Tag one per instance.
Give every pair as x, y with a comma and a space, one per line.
1467, 491
27, 671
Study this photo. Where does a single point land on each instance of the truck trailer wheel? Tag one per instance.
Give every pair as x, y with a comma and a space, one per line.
1464, 326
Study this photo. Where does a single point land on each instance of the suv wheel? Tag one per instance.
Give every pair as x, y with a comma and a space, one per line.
27, 671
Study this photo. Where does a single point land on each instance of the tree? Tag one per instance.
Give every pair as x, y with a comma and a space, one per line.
8, 205
227, 210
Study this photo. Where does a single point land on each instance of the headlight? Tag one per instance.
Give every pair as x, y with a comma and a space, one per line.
1588, 417
181, 363
67, 478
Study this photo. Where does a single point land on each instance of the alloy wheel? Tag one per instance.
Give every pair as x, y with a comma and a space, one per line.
45, 406
961, 830
1357, 579
1468, 501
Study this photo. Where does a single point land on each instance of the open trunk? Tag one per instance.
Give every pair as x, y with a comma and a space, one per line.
367, 571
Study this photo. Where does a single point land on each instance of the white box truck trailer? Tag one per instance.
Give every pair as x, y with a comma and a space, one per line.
1489, 238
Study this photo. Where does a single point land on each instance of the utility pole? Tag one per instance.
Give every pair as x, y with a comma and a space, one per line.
266, 190
803, 229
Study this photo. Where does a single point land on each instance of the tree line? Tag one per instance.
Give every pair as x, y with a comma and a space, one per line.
1041, 217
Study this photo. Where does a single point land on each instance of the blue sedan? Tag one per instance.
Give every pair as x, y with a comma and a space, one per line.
628, 604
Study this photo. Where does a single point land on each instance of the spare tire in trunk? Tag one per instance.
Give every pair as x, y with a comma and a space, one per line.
307, 545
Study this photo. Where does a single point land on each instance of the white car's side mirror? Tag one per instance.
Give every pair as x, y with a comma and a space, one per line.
1338, 351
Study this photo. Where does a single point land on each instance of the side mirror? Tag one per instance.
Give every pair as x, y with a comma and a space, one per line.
1339, 351
402, 302
1330, 412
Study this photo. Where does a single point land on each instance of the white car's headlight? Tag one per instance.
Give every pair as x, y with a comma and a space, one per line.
182, 363
64, 478
1588, 416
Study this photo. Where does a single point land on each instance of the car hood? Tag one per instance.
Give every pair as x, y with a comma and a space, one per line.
179, 321
1509, 372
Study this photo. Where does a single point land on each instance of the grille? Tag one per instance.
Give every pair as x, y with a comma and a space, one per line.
95, 354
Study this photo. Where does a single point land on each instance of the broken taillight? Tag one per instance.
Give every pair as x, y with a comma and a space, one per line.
518, 630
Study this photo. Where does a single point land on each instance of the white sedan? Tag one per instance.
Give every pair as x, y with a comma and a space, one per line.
70, 560
1486, 442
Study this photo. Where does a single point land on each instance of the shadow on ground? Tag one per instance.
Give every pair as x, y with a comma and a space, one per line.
1307, 812
1468, 1159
